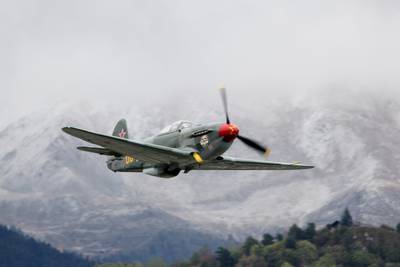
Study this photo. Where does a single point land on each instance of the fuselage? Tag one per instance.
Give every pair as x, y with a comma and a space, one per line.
208, 140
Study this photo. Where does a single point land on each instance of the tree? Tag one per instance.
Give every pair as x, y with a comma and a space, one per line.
257, 250
346, 220
225, 258
322, 237
290, 242
273, 254
310, 231
18, 249
345, 237
362, 258
326, 261
279, 237
339, 254
296, 232
203, 257
290, 256
267, 239
307, 252
250, 241
398, 228
252, 261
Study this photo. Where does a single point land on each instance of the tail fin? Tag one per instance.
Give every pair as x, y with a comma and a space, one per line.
121, 130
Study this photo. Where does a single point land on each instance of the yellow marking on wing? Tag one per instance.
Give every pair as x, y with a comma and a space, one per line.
129, 160
197, 158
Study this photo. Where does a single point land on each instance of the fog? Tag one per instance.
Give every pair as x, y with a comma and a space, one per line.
137, 52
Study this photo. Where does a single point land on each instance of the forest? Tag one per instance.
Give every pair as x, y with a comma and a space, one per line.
341, 243
20, 250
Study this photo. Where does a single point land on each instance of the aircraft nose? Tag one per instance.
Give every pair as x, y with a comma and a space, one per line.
229, 131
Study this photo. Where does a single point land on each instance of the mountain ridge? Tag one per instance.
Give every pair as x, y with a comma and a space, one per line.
49, 188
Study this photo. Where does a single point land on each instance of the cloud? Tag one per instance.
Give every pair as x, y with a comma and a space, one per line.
152, 51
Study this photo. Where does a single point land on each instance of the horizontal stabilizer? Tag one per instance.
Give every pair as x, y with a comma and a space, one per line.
99, 150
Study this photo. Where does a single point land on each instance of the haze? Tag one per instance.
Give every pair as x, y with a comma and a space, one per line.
136, 52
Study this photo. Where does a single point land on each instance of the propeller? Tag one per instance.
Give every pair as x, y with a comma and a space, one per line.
255, 145
230, 131
222, 90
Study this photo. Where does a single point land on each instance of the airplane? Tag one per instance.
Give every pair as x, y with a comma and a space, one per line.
182, 146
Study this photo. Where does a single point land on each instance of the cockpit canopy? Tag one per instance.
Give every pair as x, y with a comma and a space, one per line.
178, 125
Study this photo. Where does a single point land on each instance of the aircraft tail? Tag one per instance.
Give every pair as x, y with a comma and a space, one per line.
121, 129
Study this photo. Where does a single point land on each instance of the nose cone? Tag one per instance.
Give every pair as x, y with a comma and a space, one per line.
228, 131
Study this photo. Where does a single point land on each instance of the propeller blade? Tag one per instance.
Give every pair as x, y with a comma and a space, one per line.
247, 141
255, 145
222, 90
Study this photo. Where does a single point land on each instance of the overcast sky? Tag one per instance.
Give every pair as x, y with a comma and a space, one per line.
98, 50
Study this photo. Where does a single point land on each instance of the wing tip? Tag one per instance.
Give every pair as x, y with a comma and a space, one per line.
305, 166
66, 129
300, 166
70, 130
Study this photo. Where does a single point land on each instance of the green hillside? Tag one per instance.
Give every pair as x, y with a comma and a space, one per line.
341, 243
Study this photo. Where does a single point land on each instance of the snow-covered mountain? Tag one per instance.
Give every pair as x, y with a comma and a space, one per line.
70, 199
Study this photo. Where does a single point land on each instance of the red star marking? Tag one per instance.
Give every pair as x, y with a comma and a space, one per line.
122, 133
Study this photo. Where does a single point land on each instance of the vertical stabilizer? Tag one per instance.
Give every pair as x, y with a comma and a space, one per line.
121, 129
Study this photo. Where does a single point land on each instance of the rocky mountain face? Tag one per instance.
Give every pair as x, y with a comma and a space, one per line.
70, 199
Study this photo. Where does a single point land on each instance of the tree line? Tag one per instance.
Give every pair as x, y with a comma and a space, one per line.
20, 250
341, 243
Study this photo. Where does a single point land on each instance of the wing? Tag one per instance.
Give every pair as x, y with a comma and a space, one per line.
99, 150
145, 152
229, 163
